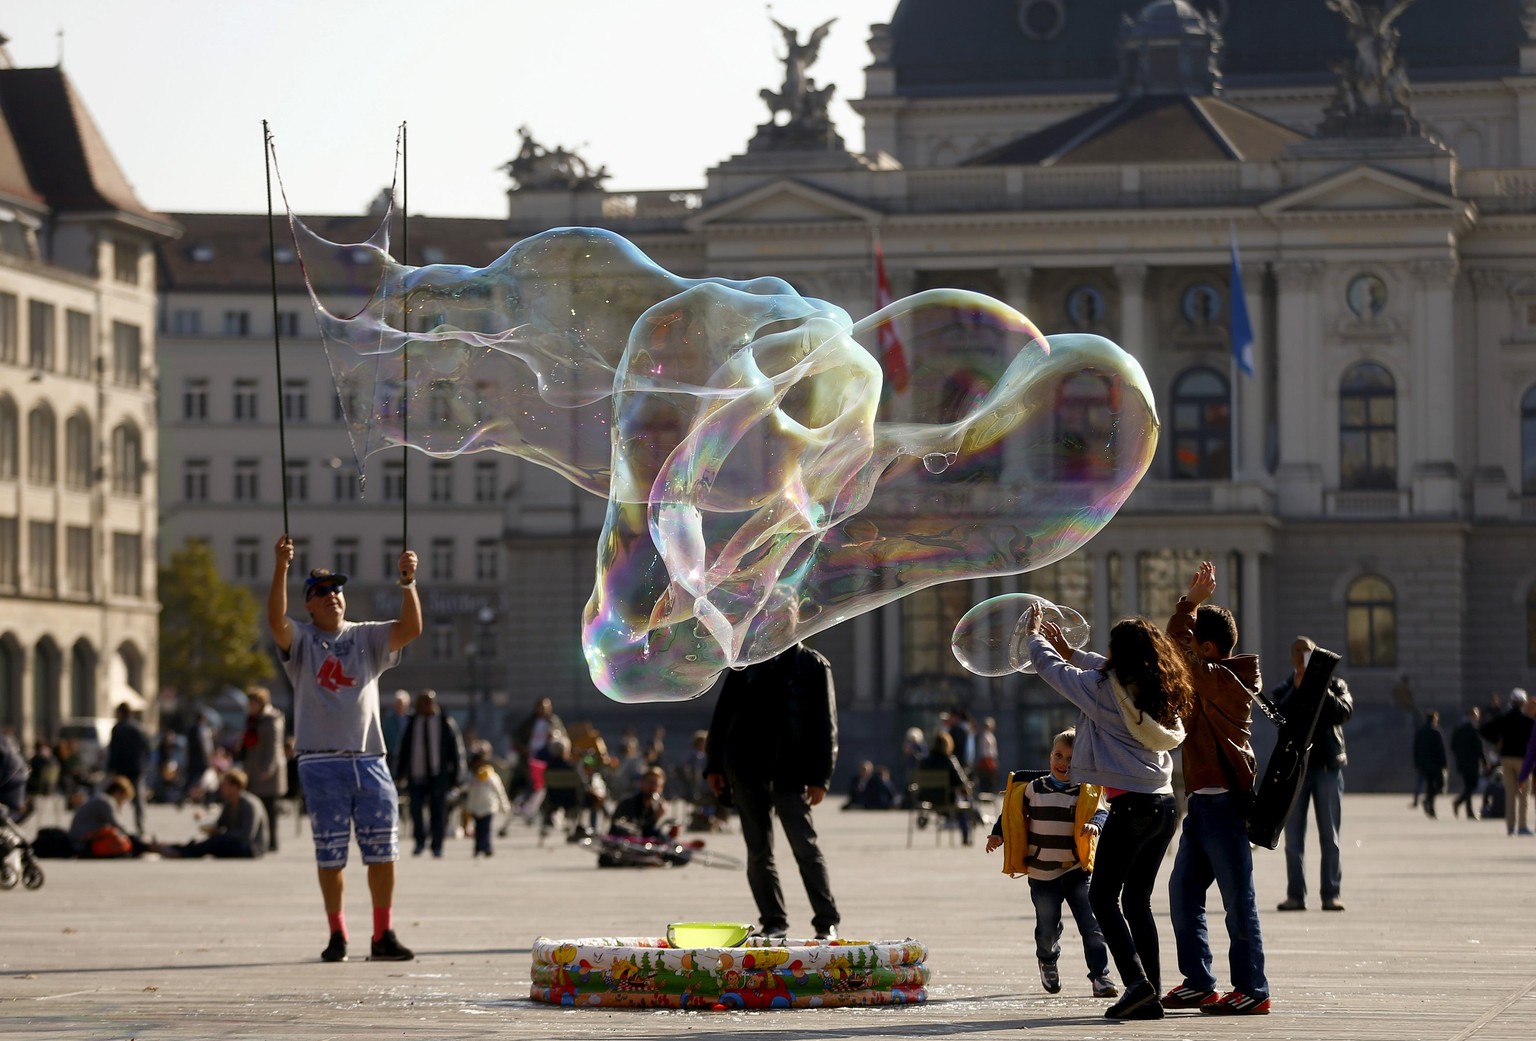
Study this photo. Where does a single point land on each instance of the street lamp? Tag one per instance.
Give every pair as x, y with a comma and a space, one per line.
482, 668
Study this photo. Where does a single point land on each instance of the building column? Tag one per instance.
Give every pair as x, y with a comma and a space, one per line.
890, 671
1016, 282
1299, 478
866, 691
1100, 620
1249, 392
1437, 354
1132, 279
1490, 477
1252, 605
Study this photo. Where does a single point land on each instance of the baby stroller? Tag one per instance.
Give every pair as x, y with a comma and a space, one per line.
17, 861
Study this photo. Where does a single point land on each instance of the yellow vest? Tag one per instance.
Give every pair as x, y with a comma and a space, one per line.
1015, 819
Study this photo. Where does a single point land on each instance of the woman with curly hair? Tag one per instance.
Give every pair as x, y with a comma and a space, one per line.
1132, 704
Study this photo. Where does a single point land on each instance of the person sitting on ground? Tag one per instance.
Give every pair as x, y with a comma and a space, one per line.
240, 833
96, 832
858, 787
641, 819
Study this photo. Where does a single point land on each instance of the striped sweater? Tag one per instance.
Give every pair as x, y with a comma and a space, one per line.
1042, 827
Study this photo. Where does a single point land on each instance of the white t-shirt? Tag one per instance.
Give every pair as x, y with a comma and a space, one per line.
335, 679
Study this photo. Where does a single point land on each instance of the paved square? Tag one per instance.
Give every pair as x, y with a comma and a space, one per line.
1439, 942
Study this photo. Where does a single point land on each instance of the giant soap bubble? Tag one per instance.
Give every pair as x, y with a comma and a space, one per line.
762, 483
989, 639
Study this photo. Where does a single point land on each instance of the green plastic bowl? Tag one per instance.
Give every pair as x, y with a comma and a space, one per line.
707, 934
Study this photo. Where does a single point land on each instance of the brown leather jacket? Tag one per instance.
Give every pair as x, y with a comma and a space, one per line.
1222, 714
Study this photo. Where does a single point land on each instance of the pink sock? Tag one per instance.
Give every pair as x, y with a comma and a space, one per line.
383, 919
338, 923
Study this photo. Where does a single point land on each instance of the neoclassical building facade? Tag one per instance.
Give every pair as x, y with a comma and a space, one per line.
1371, 483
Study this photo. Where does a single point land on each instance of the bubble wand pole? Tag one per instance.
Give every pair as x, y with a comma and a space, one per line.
405, 361
277, 351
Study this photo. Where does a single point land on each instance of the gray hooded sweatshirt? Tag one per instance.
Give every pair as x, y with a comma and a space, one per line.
1118, 745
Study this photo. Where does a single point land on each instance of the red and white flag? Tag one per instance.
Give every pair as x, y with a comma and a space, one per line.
893, 354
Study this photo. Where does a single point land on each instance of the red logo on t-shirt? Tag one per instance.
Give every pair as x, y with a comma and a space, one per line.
331, 675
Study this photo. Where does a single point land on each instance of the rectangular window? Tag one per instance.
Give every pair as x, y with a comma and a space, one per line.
247, 484
8, 319
346, 484
296, 400
77, 559
40, 335
186, 321
394, 481
442, 560
344, 556
42, 571
392, 550
443, 643
485, 480
440, 481
194, 480
245, 401
194, 398
125, 262
296, 476
9, 548
127, 352
127, 564
288, 323
247, 558
1162, 577
928, 620
487, 559
77, 343
237, 323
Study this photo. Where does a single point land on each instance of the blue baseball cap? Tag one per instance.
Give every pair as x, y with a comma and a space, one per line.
321, 581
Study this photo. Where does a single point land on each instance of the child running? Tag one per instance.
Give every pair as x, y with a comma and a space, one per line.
1130, 704
1048, 829
1219, 770
486, 797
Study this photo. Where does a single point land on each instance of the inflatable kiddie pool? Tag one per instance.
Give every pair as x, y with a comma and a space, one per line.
638, 972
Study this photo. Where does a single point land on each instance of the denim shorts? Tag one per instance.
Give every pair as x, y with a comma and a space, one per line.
344, 790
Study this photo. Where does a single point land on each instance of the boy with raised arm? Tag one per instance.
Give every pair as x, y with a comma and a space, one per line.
334, 666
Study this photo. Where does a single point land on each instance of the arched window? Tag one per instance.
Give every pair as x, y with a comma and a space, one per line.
1085, 428
127, 461
82, 680
45, 689
1367, 429
1202, 425
1527, 443
10, 436
1370, 618
77, 452
42, 446
10, 681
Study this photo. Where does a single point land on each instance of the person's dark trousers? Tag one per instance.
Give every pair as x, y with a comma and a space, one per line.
138, 805
756, 805
1048, 896
1469, 779
1131, 849
224, 847
483, 833
1214, 848
270, 803
1433, 785
429, 798
1323, 790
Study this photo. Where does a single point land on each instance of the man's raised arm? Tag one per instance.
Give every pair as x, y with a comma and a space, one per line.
277, 596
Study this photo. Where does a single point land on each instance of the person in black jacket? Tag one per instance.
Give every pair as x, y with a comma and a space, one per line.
1323, 786
431, 762
773, 744
1429, 759
1509, 733
1467, 751
129, 753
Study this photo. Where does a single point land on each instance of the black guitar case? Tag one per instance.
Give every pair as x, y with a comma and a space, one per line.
1275, 796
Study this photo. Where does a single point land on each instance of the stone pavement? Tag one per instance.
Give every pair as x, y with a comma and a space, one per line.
1439, 942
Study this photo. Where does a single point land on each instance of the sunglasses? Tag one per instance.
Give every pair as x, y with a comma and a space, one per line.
325, 590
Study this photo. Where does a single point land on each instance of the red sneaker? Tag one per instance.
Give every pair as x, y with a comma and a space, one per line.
1236, 1003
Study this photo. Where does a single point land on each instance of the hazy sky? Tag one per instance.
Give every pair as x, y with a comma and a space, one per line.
658, 91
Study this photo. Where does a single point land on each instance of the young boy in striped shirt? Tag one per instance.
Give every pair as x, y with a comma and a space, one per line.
1048, 830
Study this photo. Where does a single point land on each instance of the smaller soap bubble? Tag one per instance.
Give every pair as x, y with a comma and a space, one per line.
990, 640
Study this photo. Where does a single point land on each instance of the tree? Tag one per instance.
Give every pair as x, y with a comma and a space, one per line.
210, 630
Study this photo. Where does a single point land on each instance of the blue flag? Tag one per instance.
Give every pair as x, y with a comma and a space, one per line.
1241, 328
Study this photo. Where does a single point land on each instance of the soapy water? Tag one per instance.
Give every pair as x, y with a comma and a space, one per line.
762, 485
989, 639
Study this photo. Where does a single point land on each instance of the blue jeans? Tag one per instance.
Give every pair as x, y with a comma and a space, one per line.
1324, 789
1048, 896
1131, 849
1214, 848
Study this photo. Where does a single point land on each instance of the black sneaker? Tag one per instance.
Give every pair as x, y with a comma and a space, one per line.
827, 935
387, 948
336, 950
1140, 1002
1050, 978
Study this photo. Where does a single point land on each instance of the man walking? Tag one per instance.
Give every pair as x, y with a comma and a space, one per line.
1509, 733
334, 666
430, 762
128, 755
773, 744
1323, 786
